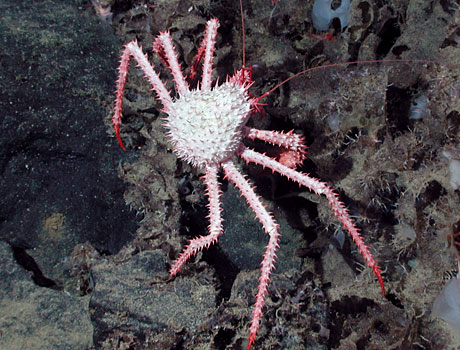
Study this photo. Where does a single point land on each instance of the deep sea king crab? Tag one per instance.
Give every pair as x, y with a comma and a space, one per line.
206, 127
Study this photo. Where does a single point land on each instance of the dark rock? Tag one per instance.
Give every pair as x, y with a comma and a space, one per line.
34, 317
58, 165
137, 298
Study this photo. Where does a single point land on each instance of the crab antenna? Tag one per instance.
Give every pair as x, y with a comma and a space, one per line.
243, 36
339, 65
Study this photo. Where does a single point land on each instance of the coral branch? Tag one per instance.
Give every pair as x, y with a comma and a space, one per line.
271, 228
320, 188
215, 226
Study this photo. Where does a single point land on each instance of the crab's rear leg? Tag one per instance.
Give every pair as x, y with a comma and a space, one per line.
271, 228
320, 188
215, 219
134, 50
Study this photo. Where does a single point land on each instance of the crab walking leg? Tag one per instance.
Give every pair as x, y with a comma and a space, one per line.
207, 46
320, 188
196, 61
209, 43
289, 140
163, 44
270, 227
215, 219
133, 49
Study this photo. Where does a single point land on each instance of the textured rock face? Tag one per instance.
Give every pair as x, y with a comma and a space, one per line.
179, 305
33, 317
204, 127
58, 170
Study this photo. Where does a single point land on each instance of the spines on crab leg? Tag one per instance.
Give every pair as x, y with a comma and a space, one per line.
164, 48
206, 52
320, 188
133, 49
215, 221
271, 228
209, 42
294, 145
279, 138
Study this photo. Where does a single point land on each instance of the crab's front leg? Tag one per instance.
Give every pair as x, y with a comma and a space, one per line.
293, 152
134, 50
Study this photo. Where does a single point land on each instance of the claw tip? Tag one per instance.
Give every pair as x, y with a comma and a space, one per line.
117, 134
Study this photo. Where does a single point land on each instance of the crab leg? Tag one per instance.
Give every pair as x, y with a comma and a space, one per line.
319, 188
209, 42
165, 49
215, 226
271, 228
294, 153
133, 49
206, 49
286, 140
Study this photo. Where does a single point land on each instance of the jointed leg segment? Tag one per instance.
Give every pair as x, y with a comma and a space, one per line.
215, 219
